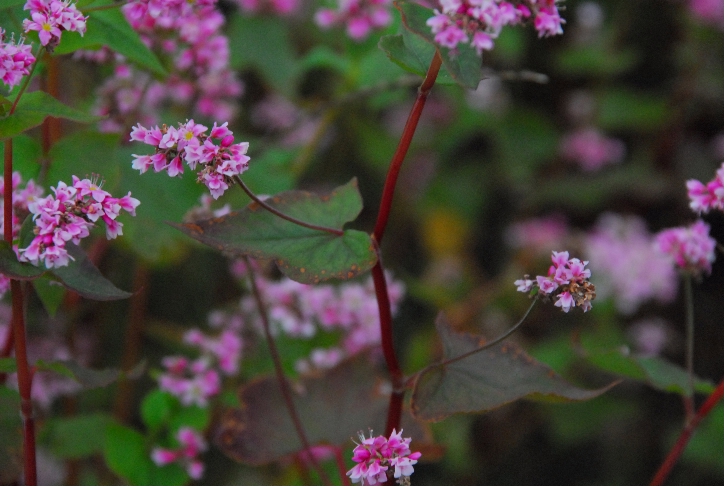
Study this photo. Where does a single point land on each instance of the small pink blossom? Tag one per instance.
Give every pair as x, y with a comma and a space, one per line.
50, 18
360, 17
690, 248
376, 455
15, 60
191, 445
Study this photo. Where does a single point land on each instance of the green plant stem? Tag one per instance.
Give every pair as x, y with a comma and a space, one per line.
276, 212
394, 410
689, 299
281, 379
685, 435
388, 192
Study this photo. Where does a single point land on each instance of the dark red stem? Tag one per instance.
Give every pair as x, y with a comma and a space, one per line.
341, 466
408, 132
281, 379
683, 439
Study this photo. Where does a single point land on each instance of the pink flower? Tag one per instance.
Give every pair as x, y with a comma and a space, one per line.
591, 150
359, 16
375, 455
50, 18
704, 197
15, 60
191, 445
690, 248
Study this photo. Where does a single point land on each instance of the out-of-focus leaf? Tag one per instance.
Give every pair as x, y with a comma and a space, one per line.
413, 54
333, 407
194, 416
7, 365
303, 254
76, 437
10, 3
83, 277
704, 448
51, 293
157, 408
324, 57
87, 377
26, 156
11, 436
629, 110
126, 454
464, 65
10, 266
486, 380
84, 154
35, 107
652, 370
111, 29
595, 61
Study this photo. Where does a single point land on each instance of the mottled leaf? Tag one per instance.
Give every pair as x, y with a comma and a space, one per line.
332, 407
463, 63
485, 380
83, 277
10, 266
35, 107
303, 254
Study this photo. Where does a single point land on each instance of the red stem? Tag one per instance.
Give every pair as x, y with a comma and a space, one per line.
399, 157
341, 466
683, 439
281, 379
394, 410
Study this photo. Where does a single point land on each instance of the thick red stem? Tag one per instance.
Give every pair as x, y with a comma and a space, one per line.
399, 157
683, 439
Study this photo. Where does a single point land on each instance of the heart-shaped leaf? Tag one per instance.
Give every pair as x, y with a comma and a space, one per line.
35, 107
485, 380
306, 255
463, 63
333, 407
83, 277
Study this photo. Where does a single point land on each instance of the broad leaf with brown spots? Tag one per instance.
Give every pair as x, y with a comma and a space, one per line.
486, 380
306, 255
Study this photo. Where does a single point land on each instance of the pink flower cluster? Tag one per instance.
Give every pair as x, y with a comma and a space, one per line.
15, 59
376, 455
302, 311
691, 248
274, 7
191, 445
627, 265
708, 11
538, 234
360, 16
189, 144
479, 22
591, 149
704, 197
50, 18
567, 280
68, 216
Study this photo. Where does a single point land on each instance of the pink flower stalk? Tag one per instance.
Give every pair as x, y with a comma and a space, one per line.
15, 60
360, 16
690, 248
628, 268
379, 458
50, 18
191, 445
189, 144
704, 197
68, 216
567, 281
479, 22
591, 149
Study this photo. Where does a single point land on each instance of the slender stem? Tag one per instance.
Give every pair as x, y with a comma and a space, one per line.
689, 299
398, 158
7, 348
276, 212
341, 466
26, 81
283, 384
686, 434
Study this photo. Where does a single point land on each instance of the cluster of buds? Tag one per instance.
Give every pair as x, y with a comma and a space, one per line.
704, 197
691, 248
51, 18
567, 281
191, 445
189, 144
376, 455
481, 21
68, 216
15, 60
360, 16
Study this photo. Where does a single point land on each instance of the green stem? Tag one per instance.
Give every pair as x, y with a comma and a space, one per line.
276, 212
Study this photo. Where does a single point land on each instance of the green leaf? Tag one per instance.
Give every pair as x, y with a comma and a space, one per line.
82, 154
413, 54
485, 380
111, 29
35, 107
76, 437
333, 407
631, 110
7, 365
11, 3
126, 454
83, 277
10, 266
303, 254
51, 293
87, 377
463, 64
157, 408
654, 371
